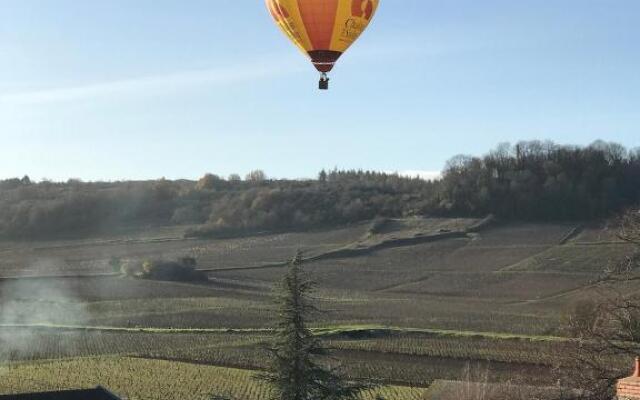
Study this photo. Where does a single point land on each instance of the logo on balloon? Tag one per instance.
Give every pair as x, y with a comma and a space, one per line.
362, 8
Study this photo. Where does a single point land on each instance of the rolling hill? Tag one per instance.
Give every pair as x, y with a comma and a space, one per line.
407, 301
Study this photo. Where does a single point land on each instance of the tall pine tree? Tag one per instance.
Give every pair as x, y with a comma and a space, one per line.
296, 373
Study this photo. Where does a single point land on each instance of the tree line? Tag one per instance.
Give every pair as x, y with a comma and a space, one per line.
544, 181
527, 181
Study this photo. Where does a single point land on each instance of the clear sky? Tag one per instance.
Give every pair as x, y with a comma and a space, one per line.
149, 88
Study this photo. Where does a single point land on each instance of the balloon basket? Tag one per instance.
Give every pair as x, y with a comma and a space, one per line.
324, 83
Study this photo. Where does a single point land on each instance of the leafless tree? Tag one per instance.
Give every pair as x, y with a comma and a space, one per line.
606, 328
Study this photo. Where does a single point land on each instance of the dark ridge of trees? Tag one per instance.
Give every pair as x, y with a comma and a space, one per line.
543, 181
343, 197
46, 209
527, 181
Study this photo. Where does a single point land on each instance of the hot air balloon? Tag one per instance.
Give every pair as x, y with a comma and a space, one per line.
323, 29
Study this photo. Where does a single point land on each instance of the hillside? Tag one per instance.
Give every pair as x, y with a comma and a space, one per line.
407, 300
501, 277
530, 181
417, 280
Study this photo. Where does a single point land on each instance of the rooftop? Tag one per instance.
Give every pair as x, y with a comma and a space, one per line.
629, 388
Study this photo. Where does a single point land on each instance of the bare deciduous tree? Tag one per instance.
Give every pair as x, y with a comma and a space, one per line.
606, 328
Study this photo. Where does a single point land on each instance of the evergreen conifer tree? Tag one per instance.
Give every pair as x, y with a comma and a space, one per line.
296, 373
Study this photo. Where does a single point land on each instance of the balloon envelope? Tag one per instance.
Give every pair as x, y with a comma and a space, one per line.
323, 29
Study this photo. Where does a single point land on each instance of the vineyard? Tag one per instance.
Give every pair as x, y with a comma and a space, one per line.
138, 378
402, 316
409, 359
507, 351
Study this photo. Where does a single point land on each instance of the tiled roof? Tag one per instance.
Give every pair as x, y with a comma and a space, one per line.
629, 388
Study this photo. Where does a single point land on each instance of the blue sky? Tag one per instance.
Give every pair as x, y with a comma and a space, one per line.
149, 88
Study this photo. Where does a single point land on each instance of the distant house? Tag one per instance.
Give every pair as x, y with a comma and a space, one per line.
629, 388
98, 393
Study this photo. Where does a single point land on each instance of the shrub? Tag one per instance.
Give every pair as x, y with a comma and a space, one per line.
378, 225
183, 270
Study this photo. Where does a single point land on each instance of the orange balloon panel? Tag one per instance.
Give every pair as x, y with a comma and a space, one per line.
323, 29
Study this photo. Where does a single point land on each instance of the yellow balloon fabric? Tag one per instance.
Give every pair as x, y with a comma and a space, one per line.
323, 29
